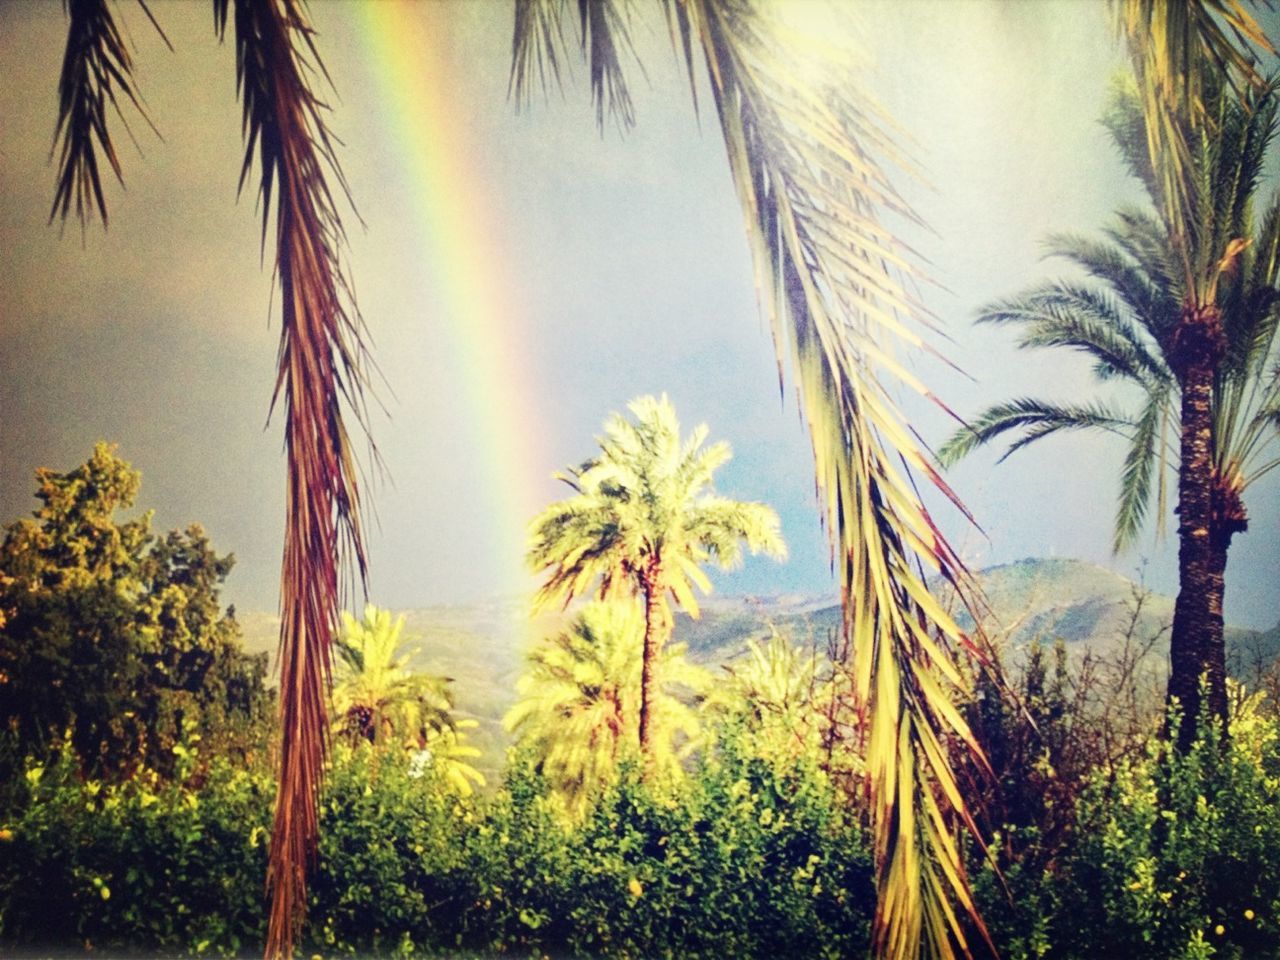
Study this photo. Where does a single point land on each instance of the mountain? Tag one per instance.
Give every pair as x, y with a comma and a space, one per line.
481, 646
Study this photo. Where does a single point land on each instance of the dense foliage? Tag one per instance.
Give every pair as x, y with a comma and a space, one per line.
1125, 847
1158, 854
740, 861
115, 634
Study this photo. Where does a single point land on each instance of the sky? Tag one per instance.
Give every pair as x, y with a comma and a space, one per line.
523, 274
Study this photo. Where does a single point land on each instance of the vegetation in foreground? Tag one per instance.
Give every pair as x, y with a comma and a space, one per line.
752, 852
747, 835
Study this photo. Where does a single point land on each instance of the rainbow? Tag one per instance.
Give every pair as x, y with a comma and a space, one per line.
405, 47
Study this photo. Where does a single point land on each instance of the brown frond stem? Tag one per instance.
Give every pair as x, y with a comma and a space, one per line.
322, 370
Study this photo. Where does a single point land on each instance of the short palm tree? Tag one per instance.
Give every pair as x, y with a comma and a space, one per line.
446, 750
376, 697
642, 521
1130, 321
774, 686
579, 706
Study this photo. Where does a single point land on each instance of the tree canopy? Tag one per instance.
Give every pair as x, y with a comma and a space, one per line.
113, 634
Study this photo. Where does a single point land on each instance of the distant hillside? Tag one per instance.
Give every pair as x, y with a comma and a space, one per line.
481, 646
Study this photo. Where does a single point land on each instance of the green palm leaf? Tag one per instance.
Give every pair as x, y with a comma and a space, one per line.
1036, 419
1176, 49
832, 282
1143, 463
1063, 314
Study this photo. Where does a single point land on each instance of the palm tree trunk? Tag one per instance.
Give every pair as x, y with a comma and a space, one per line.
1196, 647
653, 624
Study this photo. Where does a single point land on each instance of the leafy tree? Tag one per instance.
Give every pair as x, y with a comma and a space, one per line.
578, 711
112, 633
1130, 320
643, 521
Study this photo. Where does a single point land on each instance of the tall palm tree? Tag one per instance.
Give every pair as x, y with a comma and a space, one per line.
579, 705
642, 521
376, 697
1181, 53
1130, 321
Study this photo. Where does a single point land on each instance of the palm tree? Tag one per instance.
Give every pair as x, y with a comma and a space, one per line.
579, 705
1131, 321
643, 521
376, 697
775, 686
445, 749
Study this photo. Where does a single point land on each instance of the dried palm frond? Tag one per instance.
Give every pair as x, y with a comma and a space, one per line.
97, 71
322, 370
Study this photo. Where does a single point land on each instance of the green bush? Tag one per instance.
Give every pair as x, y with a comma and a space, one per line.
1169, 856
145, 865
739, 860
736, 861
1177, 856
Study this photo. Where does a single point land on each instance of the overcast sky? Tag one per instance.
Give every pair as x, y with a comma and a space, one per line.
579, 270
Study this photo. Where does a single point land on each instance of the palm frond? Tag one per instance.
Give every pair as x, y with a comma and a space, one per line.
537, 45
538, 49
832, 281
1113, 265
1173, 47
322, 372
1140, 465
97, 73
1144, 239
1062, 314
1036, 418
1250, 324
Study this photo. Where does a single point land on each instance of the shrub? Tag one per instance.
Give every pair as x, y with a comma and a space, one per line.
737, 861
1176, 857
144, 865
